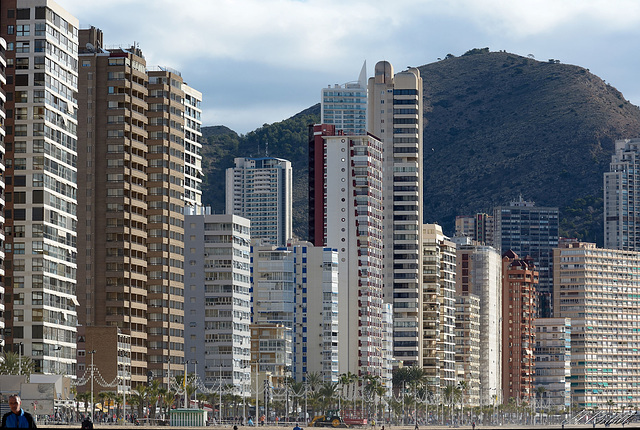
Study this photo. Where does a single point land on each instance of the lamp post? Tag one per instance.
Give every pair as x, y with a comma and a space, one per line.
92, 352
257, 377
20, 358
195, 381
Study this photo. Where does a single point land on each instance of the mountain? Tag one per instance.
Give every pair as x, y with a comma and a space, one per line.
497, 125
286, 139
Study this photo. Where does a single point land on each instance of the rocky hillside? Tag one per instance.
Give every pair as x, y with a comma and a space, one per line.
497, 125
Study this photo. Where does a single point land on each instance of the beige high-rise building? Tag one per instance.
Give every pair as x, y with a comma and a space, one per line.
132, 186
165, 223
599, 289
395, 116
438, 291
112, 160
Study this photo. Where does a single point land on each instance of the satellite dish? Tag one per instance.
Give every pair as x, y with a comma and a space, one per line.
90, 47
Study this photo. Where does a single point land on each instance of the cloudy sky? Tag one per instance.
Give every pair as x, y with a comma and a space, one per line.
262, 61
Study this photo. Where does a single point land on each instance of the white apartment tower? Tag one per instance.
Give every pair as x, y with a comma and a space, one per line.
395, 113
193, 174
479, 273
345, 202
260, 189
296, 286
622, 197
41, 182
317, 317
218, 297
345, 106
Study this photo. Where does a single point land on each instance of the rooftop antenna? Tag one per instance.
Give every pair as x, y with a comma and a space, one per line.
266, 149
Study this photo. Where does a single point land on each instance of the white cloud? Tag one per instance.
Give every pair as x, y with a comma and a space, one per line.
247, 54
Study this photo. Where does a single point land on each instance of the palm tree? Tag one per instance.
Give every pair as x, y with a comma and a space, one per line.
313, 382
463, 386
540, 390
84, 398
610, 405
297, 390
327, 393
451, 394
12, 363
139, 398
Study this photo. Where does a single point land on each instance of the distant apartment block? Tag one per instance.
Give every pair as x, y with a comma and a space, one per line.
479, 227
395, 117
599, 289
260, 189
438, 319
218, 297
478, 273
40, 181
345, 106
519, 283
345, 204
529, 230
553, 361
622, 197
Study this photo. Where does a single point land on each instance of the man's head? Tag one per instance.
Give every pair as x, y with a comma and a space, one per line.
14, 403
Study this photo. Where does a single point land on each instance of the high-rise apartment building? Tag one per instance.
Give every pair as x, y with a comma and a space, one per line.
260, 189
218, 297
478, 273
438, 320
395, 113
622, 198
519, 282
3, 117
165, 223
193, 174
345, 106
112, 160
530, 230
468, 345
599, 289
132, 170
345, 212
553, 361
41, 192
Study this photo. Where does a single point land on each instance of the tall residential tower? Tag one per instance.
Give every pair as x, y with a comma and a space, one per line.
41, 182
260, 189
396, 117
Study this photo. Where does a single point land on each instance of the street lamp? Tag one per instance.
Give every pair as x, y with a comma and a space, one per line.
20, 358
195, 381
92, 352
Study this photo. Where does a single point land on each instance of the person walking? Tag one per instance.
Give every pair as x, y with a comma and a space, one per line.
17, 418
